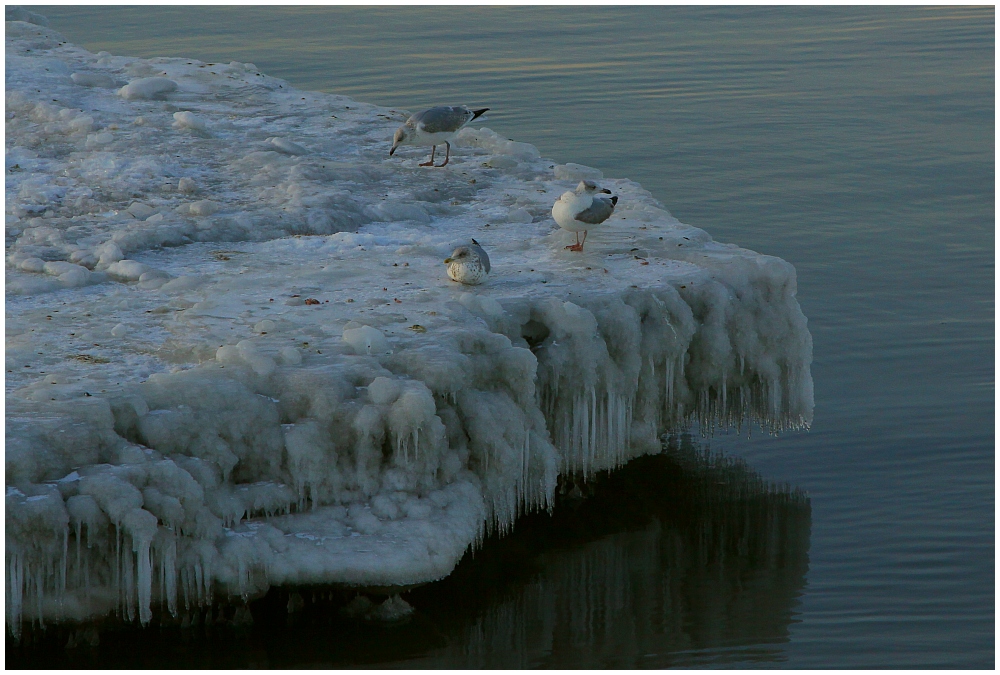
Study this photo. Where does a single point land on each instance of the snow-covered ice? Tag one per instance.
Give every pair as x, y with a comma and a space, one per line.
235, 359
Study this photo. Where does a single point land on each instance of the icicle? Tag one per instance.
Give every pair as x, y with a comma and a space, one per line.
118, 576
776, 409
198, 582
38, 579
65, 564
128, 586
592, 421
86, 563
724, 408
186, 588
78, 533
207, 576
525, 455
603, 427
15, 592
145, 581
668, 402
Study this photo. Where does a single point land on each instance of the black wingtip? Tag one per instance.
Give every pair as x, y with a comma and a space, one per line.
477, 113
614, 201
476, 243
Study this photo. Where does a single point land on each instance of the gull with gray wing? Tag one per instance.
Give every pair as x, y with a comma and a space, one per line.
468, 264
433, 127
582, 210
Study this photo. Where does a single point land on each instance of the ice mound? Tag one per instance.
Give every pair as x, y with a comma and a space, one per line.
234, 358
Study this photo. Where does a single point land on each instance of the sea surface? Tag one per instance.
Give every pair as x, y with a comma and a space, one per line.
856, 143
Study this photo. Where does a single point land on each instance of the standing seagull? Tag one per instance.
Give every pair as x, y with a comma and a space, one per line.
583, 210
433, 127
468, 264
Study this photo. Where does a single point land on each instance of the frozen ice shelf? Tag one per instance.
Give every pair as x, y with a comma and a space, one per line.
234, 358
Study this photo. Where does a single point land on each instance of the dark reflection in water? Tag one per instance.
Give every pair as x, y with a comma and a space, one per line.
678, 559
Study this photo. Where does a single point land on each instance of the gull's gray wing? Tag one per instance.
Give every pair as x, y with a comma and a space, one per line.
600, 209
443, 118
483, 257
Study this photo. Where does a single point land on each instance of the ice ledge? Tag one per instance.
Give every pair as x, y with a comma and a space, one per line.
204, 429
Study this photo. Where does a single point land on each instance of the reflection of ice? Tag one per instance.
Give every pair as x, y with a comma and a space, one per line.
679, 559
235, 361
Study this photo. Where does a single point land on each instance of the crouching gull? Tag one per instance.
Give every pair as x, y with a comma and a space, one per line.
583, 210
468, 264
433, 127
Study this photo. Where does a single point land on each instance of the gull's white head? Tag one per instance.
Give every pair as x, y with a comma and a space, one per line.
402, 136
462, 254
590, 187
466, 266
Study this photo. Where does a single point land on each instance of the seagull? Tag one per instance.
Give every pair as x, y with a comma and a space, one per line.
433, 127
468, 264
583, 210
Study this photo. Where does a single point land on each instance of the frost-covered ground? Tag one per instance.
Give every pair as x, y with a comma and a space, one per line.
234, 358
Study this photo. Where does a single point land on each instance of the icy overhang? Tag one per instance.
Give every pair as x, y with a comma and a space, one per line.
234, 358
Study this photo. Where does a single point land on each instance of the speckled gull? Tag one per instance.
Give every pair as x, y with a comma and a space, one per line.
468, 264
582, 210
433, 127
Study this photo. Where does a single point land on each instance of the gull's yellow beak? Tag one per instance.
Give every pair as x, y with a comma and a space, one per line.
447, 260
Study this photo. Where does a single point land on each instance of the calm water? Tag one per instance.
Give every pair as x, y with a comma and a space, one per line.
857, 144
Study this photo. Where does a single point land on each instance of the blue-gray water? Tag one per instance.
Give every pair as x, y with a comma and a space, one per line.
856, 143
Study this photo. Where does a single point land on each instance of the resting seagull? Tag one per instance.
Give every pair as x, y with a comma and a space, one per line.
468, 264
433, 127
583, 209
